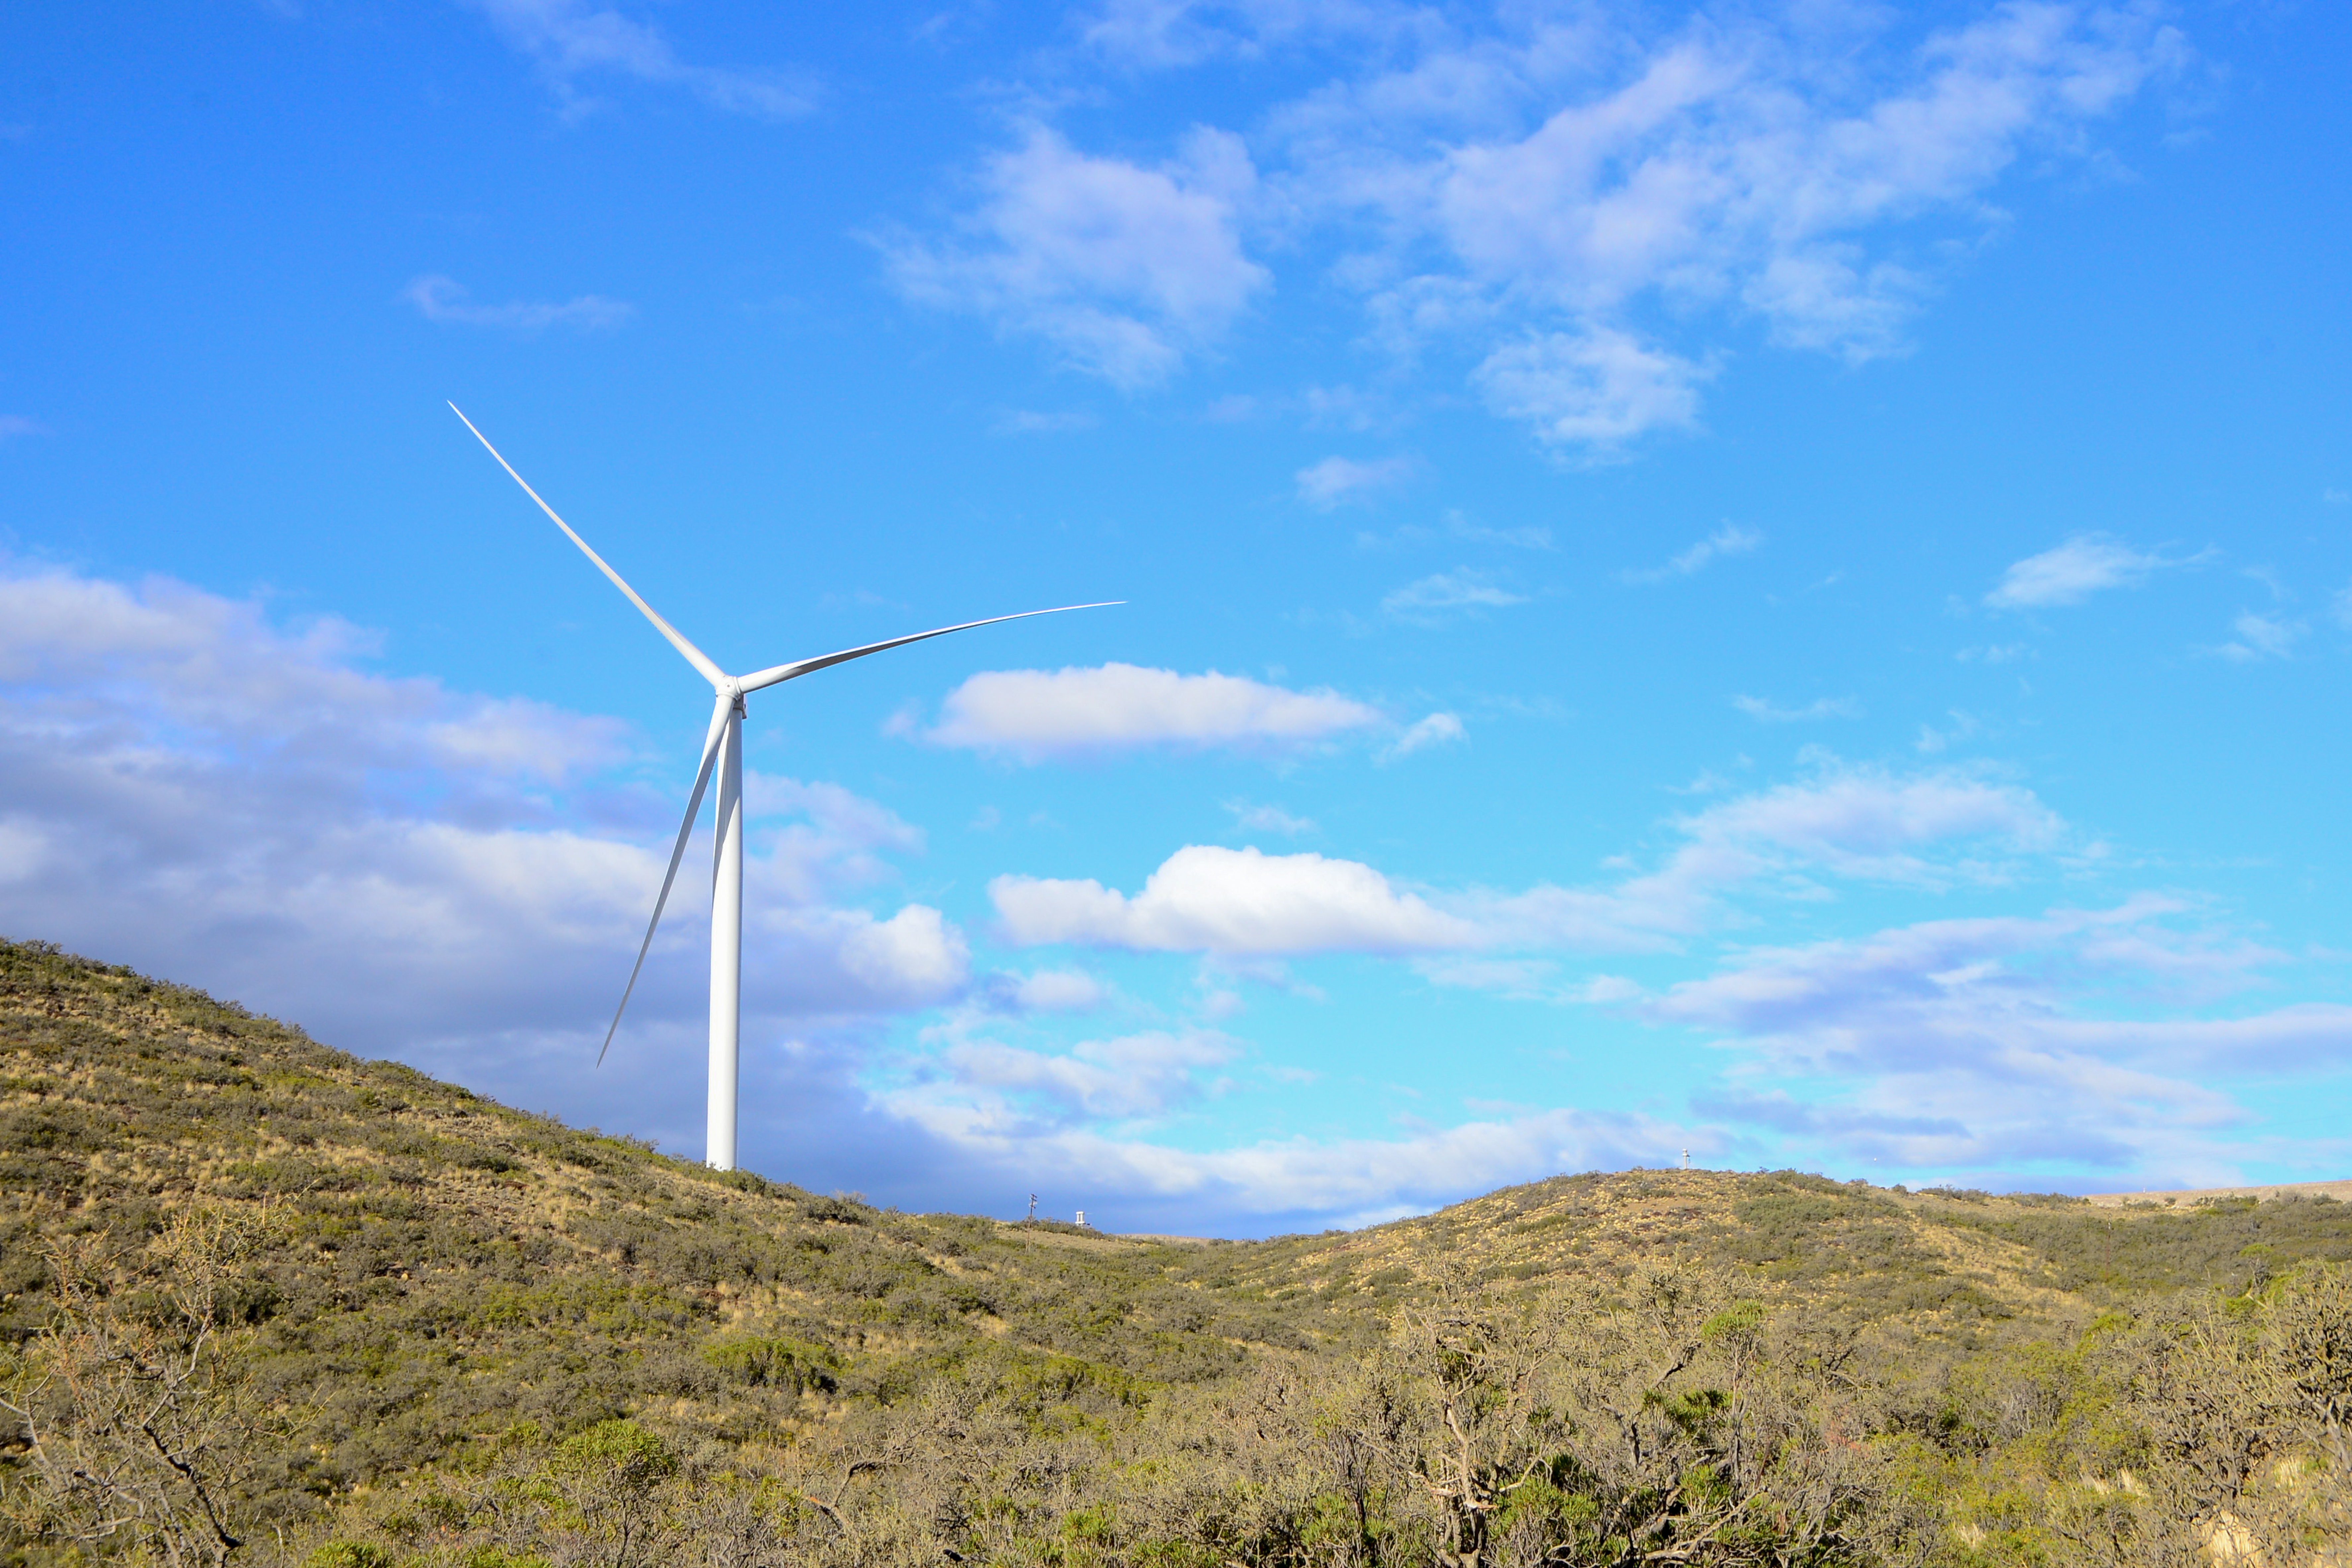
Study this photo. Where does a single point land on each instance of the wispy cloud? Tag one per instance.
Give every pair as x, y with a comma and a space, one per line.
1437, 729
1124, 270
1766, 712
1134, 1077
1031, 422
1977, 1043
443, 299
14, 424
1336, 480
1035, 714
2261, 637
2085, 565
572, 39
1456, 526
1255, 819
1731, 539
1432, 597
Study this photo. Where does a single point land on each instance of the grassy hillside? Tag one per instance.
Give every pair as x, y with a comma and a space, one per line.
255, 1291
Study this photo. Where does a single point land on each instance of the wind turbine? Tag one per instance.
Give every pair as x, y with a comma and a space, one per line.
722, 751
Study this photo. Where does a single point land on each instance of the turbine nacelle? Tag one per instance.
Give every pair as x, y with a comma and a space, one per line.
722, 752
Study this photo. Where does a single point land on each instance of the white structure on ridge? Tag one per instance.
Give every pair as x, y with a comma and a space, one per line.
722, 752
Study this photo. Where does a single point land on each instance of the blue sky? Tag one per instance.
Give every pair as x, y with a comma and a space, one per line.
1774, 581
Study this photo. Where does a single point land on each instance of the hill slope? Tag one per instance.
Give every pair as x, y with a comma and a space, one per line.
421, 1324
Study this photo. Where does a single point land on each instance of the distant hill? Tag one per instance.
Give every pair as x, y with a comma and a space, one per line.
392, 1321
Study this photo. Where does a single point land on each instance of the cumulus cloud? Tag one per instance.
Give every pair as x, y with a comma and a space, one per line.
1729, 539
1336, 480
2085, 565
1124, 270
1207, 898
1033, 715
188, 788
445, 300
1594, 208
1925, 831
1592, 391
572, 39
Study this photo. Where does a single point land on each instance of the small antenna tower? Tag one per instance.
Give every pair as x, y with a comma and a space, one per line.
1032, 1208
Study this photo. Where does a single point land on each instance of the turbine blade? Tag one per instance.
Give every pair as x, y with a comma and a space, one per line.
678, 853
809, 666
694, 656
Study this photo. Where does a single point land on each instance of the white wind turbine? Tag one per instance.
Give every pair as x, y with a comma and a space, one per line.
722, 750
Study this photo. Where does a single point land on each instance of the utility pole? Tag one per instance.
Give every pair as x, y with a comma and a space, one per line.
1032, 1208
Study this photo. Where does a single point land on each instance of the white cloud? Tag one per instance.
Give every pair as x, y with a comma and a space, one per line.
1932, 742
1766, 712
1267, 819
1925, 831
1594, 390
1336, 480
569, 39
443, 299
1731, 539
2261, 636
1029, 422
14, 424
1540, 189
1137, 1076
1869, 825
1207, 898
189, 788
1037, 713
1967, 1045
1461, 589
2083, 565
1437, 729
1124, 270
1456, 526
1779, 170
1164, 33
1347, 1181
1059, 990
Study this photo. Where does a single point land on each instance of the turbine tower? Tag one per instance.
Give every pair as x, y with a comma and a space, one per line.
722, 751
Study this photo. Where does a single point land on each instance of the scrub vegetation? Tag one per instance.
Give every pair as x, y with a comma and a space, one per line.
262, 1303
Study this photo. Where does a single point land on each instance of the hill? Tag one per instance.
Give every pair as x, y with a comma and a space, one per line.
264, 1301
